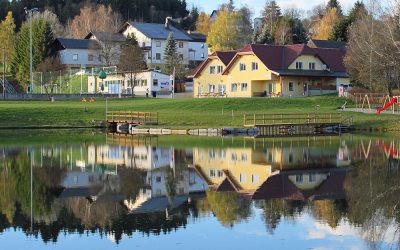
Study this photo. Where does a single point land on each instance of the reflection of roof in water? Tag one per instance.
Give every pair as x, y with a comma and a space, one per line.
159, 204
280, 187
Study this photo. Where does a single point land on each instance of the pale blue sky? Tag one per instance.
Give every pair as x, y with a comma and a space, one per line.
257, 5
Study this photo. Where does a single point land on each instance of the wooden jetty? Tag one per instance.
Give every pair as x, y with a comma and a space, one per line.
123, 120
297, 124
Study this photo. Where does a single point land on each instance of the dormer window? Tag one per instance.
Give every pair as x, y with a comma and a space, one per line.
311, 66
299, 65
219, 69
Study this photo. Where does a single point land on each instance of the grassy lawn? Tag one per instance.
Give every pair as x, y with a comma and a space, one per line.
180, 113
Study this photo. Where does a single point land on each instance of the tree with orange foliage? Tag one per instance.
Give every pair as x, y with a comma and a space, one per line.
203, 23
99, 18
324, 27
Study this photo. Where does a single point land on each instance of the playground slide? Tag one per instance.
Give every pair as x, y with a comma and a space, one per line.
392, 102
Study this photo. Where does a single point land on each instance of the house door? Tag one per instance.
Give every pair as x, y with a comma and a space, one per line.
305, 89
271, 90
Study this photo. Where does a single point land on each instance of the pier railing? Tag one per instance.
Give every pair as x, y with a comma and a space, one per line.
252, 120
133, 117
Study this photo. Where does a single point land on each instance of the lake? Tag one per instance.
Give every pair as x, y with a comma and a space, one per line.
93, 190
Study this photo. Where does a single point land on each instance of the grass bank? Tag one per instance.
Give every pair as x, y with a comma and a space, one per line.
179, 113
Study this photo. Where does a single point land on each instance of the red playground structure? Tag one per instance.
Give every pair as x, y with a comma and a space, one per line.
392, 102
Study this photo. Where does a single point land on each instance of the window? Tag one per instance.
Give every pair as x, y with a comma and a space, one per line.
90, 58
202, 45
242, 67
219, 69
158, 179
211, 88
299, 178
75, 57
212, 173
299, 65
243, 157
254, 178
290, 157
212, 70
158, 56
312, 177
254, 66
234, 157
158, 43
290, 86
143, 83
155, 82
180, 44
202, 55
234, 87
181, 57
311, 65
242, 178
243, 87
219, 173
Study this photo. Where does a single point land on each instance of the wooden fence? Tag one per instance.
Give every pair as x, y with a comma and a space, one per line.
133, 117
253, 120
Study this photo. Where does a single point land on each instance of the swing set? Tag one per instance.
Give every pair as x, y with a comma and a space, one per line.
377, 102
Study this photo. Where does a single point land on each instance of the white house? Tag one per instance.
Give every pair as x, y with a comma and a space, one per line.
152, 38
78, 53
148, 81
198, 48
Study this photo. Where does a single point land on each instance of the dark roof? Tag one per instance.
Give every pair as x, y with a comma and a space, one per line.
327, 44
280, 187
158, 31
106, 36
197, 37
159, 204
66, 43
279, 57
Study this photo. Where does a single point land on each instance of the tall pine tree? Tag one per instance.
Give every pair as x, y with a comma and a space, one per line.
42, 37
7, 38
170, 54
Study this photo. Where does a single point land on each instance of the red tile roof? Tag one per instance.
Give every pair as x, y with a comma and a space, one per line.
279, 57
280, 187
224, 56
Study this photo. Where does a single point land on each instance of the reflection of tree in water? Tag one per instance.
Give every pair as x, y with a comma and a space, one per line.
170, 184
373, 189
229, 207
275, 209
131, 181
329, 211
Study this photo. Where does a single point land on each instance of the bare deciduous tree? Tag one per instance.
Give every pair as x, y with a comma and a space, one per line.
94, 18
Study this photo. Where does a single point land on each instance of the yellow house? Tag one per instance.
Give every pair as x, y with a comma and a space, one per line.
273, 71
209, 80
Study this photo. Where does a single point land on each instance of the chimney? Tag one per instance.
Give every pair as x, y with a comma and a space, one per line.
167, 19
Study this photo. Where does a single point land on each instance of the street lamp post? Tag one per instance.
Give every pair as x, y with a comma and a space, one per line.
30, 13
4, 73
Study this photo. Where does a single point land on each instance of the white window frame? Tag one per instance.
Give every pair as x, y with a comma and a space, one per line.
156, 82
299, 178
158, 56
75, 57
243, 87
242, 66
291, 86
212, 70
299, 65
158, 43
180, 45
219, 69
313, 65
234, 87
254, 66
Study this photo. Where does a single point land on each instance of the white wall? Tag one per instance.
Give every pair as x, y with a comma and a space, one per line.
161, 50
66, 57
198, 51
163, 80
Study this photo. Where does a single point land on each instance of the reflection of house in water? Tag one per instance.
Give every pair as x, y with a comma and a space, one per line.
130, 156
95, 186
308, 171
166, 187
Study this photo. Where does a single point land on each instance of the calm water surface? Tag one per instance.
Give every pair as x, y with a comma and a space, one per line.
89, 190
